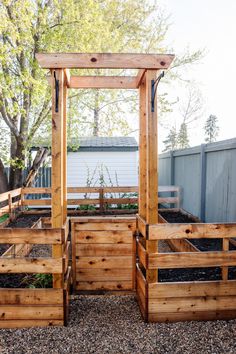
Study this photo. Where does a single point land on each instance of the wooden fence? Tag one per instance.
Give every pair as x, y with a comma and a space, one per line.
26, 307
192, 300
100, 196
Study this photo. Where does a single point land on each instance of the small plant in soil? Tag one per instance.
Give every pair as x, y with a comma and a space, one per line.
37, 281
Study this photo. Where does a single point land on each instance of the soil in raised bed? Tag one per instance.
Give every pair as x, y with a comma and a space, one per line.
25, 280
204, 245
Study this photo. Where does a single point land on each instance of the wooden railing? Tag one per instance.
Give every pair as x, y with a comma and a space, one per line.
100, 196
166, 301
9, 202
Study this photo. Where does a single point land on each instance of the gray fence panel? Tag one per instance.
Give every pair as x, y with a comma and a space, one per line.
164, 170
221, 186
207, 175
187, 176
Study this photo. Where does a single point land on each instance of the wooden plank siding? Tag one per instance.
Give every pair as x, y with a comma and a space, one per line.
103, 253
193, 300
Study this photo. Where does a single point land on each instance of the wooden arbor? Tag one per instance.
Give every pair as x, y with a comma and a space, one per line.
149, 65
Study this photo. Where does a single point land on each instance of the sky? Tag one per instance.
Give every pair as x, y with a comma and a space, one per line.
208, 25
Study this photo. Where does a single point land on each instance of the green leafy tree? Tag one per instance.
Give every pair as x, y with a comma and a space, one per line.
211, 129
171, 141
31, 26
183, 140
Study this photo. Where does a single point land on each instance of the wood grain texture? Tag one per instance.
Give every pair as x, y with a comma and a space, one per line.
104, 262
192, 289
104, 285
104, 237
31, 296
104, 60
31, 265
191, 260
175, 231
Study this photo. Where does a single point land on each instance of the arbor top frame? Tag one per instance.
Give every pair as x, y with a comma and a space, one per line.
66, 61
104, 61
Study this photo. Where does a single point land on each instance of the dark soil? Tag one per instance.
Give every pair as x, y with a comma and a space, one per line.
25, 221
204, 245
176, 217
22, 280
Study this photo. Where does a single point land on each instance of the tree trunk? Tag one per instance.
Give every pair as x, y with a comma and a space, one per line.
39, 159
18, 162
3, 179
96, 114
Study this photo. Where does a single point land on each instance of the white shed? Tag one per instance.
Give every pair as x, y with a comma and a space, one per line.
109, 161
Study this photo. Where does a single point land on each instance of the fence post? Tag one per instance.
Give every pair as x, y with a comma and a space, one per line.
203, 182
101, 200
172, 168
10, 206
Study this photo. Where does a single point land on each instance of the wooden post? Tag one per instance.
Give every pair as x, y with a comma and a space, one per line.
152, 156
101, 200
57, 165
151, 169
225, 270
64, 151
142, 148
10, 206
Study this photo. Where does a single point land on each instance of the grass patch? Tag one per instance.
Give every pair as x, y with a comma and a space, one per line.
4, 218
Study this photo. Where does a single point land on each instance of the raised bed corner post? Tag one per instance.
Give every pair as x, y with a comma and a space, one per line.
151, 168
58, 162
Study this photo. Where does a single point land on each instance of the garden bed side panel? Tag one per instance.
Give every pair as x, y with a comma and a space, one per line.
103, 253
198, 300
25, 307
172, 302
31, 308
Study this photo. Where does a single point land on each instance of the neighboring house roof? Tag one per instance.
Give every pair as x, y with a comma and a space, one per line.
95, 143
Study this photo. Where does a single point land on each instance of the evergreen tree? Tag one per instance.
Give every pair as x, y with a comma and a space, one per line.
211, 129
171, 142
183, 141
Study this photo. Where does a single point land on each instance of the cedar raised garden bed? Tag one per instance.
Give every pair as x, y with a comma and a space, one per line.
25, 252
192, 284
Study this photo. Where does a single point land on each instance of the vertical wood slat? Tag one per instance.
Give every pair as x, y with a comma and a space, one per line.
152, 154
151, 169
57, 166
225, 270
142, 148
64, 164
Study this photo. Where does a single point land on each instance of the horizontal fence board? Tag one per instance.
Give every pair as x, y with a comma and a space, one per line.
175, 231
31, 265
104, 262
31, 296
141, 281
104, 285
13, 193
191, 260
104, 237
142, 254
35, 202
37, 190
192, 315
105, 226
103, 274
125, 249
30, 323
31, 236
192, 289
182, 245
103, 219
24, 312
191, 303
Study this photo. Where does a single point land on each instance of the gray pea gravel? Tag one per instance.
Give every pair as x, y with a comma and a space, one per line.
113, 325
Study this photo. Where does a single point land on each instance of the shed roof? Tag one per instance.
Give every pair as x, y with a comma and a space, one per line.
123, 143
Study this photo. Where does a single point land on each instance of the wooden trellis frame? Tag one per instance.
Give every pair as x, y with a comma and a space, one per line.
148, 65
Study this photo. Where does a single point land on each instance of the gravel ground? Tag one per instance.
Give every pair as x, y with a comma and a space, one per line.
113, 325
